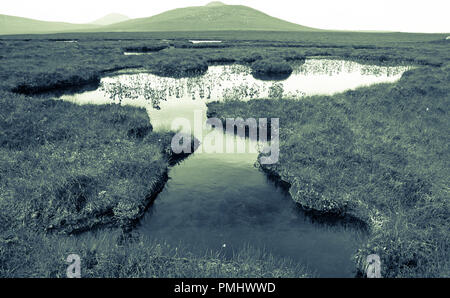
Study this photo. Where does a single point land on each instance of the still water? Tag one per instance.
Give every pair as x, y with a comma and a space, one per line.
205, 41
222, 202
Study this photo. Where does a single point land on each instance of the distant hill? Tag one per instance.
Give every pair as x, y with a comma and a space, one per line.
18, 25
213, 16
110, 19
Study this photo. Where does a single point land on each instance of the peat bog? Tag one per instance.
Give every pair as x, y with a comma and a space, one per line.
198, 208
376, 154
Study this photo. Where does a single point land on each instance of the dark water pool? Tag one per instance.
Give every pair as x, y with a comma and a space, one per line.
223, 203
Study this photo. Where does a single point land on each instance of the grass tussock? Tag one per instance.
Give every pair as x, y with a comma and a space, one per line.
179, 66
146, 48
271, 68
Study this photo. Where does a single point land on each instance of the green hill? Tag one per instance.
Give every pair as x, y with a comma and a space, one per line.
214, 16
18, 25
211, 17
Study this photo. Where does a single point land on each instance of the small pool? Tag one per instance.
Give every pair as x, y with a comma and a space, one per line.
205, 41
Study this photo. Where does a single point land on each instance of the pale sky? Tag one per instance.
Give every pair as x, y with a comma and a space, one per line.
393, 15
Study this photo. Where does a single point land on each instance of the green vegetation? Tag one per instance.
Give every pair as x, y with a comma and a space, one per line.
70, 168
179, 66
67, 169
147, 49
198, 18
209, 17
377, 154
251, 57
269, 68
118, 255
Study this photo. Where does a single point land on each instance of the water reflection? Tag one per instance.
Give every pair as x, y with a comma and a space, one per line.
235, 82
205, 41
137, 53
166, 98
217, 199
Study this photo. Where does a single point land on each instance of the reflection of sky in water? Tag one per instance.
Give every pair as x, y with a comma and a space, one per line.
136, 54
216, 199
205, 41
180, 97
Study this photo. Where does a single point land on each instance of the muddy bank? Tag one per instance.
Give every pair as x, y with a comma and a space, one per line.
117, 214
120, 213
322, 215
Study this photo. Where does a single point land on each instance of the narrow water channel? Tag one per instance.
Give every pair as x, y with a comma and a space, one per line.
221, 202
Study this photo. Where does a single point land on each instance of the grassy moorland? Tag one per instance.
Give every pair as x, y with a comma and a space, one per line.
71, 168
378, 154
67, 169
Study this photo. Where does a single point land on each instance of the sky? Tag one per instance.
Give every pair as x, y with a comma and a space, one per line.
390, 15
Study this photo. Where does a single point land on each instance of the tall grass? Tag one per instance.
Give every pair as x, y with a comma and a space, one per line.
118, 255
